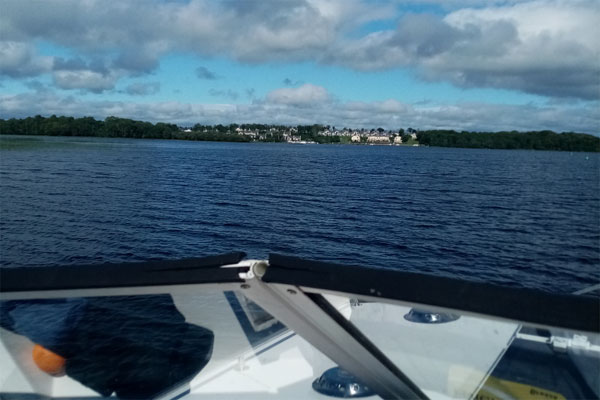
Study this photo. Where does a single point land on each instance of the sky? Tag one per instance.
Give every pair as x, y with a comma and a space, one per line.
484, 65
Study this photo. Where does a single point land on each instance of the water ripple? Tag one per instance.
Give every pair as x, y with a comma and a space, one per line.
516, 218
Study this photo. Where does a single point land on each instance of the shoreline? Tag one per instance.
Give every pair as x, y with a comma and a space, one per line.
22, 137
113, 127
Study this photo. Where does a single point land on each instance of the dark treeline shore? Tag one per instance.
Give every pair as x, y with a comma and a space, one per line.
128, 128
538, 140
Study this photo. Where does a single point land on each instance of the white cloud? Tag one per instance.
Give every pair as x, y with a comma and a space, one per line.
553, 51
246, 30
19, 59
305, 95
544, 47
143, 88
96, 82
388, 114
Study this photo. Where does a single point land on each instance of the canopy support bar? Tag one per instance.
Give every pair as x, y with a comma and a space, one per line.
323, 328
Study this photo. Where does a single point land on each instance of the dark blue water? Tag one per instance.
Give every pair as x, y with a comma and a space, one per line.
518, 218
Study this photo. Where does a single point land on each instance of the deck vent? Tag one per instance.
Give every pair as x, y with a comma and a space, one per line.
336, 382
429, 317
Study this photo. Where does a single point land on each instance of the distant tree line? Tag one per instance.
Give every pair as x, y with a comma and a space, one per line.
537, 140
110, 127
128, 128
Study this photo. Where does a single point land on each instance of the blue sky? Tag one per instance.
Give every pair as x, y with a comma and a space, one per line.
482, 65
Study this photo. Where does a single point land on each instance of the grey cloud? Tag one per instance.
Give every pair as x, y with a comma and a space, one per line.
230, 94
388, 114
137, 61
245, 30
19, 59
420, 38
205, 73
86, 80
424, 36
79, 64
544, 47
263, 8
455, 4
71, 64
37, 86
290, 82
143, 89
76, 73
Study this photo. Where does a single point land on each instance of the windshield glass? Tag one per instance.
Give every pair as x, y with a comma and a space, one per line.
450, 355
144, 346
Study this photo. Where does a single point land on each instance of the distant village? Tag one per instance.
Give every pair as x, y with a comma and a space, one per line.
312, 134
127, 128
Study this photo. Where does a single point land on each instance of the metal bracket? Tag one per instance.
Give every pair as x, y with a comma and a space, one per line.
301, 314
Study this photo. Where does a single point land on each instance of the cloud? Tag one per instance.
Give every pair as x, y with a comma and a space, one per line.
547, 48
139, 60
19, 60
290, 82
230, 94
307, 94
88, 80
143, 89
551, 51
205, 73
37, 86
542, 47
251, 31
391, 113
78, 64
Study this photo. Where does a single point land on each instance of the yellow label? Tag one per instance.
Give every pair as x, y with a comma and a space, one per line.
498, 389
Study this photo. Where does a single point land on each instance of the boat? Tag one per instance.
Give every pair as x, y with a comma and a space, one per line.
229, 327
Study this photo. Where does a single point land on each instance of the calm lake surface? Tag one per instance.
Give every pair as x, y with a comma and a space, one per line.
518, 218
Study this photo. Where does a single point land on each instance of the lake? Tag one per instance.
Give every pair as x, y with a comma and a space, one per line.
512, 217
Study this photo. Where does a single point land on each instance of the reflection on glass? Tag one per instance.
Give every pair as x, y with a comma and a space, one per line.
550, 364
211, 343
471, 357
133, 346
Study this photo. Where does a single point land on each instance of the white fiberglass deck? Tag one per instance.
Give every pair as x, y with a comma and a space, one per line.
232, 338
285, 365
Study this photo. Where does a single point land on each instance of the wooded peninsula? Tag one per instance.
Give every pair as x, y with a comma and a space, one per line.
127, 128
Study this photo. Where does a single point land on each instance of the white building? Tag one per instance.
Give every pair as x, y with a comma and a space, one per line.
378, 139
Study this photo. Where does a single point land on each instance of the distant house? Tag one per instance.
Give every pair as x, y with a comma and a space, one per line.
378, 139
398, 139
291, 138
355, 138
248, 133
